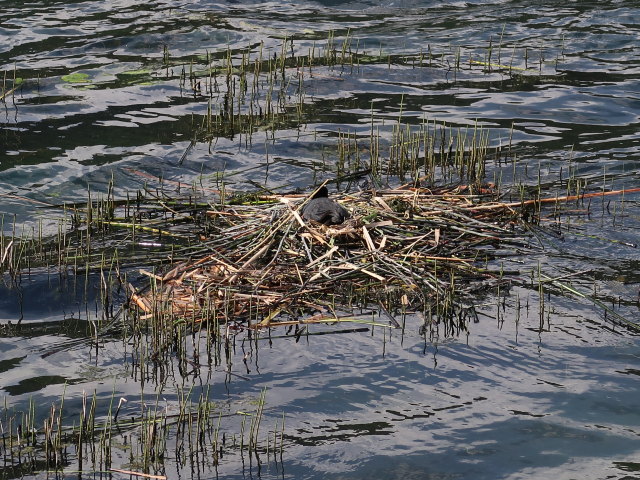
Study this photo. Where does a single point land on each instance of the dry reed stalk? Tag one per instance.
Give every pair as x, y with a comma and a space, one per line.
138, 474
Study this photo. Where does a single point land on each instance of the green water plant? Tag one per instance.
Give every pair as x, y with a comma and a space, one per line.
76, 77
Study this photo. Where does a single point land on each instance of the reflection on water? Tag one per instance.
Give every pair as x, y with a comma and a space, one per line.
510, 400
505, 401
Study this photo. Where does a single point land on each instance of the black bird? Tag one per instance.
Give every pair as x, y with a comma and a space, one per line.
323, 210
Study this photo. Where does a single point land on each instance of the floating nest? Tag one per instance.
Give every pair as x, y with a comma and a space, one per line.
402, 250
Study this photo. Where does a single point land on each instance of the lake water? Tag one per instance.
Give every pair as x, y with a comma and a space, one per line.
107, 91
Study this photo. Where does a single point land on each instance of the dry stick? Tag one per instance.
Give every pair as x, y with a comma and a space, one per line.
382, 203
258, 254
429, 257
368, 240
502, 206
6, 252
321, 319
328, 253
141, 227
9, 92
183, 267
26, 199
466, 220
392, 320
142, 302
139, 474
355, 268
554, 199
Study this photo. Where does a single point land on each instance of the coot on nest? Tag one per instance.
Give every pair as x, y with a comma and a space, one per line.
323, 210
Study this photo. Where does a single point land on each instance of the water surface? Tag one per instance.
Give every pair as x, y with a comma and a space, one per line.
103, 99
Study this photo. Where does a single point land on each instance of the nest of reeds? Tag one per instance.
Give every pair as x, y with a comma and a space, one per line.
407, 249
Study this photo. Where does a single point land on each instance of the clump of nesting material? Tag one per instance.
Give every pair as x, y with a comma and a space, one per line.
270, 264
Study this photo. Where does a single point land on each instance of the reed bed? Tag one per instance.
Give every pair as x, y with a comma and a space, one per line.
410, 249
77, 440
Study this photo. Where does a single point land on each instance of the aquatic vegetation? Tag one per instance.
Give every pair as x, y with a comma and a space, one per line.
76, 77
189, 272
84, 443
